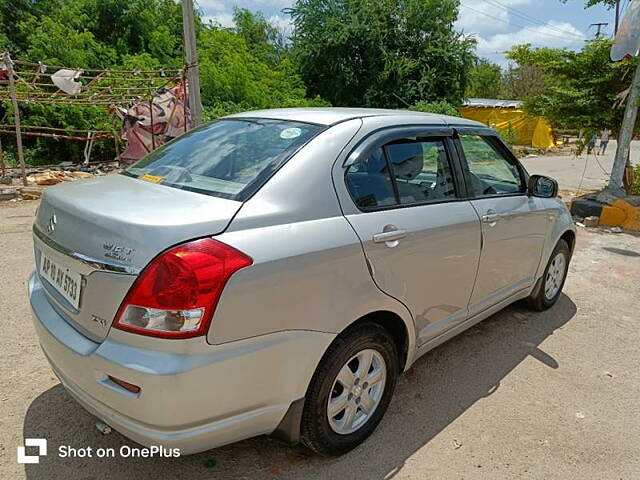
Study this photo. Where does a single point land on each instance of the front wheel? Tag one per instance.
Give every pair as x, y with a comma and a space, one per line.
350, 390
552, 282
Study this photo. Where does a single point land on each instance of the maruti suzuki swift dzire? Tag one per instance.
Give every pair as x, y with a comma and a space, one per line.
274, 272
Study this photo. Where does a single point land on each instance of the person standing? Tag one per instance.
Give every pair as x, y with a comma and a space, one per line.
604, 141
592, 143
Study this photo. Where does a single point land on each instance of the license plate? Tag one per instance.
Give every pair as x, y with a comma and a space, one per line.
66, 282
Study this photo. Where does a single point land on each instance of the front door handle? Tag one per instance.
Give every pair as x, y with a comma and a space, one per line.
389, 236
491, 217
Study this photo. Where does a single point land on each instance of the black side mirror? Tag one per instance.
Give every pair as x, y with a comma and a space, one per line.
543, 187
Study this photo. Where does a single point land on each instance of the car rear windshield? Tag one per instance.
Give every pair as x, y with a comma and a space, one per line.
230, 158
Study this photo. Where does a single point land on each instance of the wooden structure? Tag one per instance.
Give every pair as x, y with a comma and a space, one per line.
28, 83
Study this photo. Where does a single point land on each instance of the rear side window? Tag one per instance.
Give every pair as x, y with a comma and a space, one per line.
404, 172
369, 181
230, 158
491, 172
421, 171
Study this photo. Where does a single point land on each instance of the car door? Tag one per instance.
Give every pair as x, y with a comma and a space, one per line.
420, 237
513, 225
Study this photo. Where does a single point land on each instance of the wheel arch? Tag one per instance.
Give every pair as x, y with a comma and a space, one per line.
394, 325
289, 428
569, 236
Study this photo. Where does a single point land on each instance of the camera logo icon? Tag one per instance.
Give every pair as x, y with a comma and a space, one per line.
41, 443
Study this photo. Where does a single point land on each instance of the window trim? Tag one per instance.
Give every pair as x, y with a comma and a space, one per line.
494, 140
382, 137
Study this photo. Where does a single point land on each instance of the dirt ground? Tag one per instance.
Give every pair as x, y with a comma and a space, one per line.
584, 173
551, 395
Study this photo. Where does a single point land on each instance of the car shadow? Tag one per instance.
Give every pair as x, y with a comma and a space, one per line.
439, 388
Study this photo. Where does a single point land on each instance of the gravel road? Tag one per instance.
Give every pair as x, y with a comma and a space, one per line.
551, 395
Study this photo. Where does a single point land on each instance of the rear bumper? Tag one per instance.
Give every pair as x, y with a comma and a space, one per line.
194, 396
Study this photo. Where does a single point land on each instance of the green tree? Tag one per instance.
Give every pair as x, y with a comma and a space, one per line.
264, 40
243, 68
385, 53
441, 107
582, 89
485, 80
521, 82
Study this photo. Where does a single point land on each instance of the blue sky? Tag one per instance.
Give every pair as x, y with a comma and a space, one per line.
497, 24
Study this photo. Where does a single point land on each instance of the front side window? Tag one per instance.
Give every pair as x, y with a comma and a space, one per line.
229, 158
491, 172
421, 171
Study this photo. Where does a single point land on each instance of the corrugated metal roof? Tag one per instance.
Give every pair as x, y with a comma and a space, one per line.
492, 103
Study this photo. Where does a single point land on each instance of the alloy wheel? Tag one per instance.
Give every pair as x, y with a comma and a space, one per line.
356, 391
555, 276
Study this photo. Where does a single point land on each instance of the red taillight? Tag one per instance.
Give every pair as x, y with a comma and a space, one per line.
176, 294
126, 385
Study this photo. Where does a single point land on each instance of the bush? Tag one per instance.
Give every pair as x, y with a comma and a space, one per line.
508, 134
635, 188
441, 107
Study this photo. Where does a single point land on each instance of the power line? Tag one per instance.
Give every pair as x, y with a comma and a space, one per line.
531, 19
507, 51
524, 27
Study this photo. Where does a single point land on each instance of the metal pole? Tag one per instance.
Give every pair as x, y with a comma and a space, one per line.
191, 58
617, 16
1, 160
16, 115
153, 137
625, 137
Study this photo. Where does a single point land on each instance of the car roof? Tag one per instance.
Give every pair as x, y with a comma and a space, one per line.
333, 115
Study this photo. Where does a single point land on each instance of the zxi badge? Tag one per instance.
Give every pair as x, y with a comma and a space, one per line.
51, 226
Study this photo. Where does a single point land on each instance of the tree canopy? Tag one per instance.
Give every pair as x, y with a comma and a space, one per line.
485, 80
582, 89
387, 53
242, 68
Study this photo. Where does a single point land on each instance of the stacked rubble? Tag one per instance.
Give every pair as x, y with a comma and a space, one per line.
11, 188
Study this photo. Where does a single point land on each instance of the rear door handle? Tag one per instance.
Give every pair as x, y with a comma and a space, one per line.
491, 217
391, 236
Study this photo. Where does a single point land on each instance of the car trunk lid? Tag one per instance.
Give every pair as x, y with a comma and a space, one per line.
103, 231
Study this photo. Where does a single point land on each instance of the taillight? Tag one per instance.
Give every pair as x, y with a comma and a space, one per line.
176, 294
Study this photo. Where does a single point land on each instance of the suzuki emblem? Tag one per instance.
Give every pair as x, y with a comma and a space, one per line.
51, 226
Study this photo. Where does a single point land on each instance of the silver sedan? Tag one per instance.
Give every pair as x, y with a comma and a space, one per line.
274, 272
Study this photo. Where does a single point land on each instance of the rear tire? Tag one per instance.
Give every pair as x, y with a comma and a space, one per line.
357, 375
548, 292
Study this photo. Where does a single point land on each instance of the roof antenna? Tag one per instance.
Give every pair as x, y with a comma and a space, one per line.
408, 106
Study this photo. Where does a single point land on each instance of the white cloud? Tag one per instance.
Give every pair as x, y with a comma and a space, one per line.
224, 19
500, 24
549, 35
208, 6
480, 16
282, 23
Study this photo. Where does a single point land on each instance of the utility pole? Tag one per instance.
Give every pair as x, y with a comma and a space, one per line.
191, 59
624, 139
599, 27
617, 17
16, 114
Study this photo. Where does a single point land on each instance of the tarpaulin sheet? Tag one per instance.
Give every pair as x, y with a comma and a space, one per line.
534, 131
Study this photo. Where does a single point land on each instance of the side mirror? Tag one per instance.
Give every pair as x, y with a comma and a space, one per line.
543, 187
